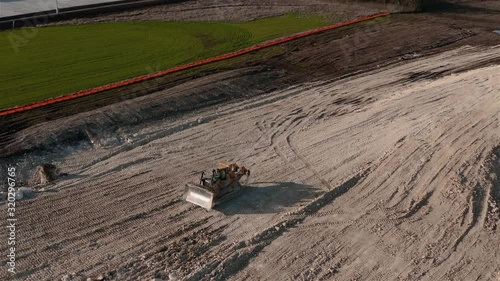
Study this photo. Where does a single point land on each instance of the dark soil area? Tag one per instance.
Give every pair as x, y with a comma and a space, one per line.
329, 55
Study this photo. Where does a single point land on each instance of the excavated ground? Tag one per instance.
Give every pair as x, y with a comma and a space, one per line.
374, 150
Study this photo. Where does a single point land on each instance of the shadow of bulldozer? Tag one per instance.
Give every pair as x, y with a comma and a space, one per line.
267, 197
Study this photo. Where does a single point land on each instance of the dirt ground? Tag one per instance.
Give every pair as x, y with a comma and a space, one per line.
329, 55
374, 151
236, 11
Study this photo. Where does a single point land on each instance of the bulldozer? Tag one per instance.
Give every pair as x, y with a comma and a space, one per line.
222, 184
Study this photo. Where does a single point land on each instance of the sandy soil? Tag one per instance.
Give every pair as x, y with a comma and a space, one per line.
376, 163
382, 176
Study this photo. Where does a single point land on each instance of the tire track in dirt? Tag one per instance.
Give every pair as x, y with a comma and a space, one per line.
240, 257
413, 204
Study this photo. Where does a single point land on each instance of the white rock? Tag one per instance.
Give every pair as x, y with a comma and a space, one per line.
19, 196
173, 276
24, 192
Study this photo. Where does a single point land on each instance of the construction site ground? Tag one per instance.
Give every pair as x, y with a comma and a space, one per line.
374, 151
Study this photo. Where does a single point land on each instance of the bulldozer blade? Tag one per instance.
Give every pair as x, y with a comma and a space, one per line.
199, 196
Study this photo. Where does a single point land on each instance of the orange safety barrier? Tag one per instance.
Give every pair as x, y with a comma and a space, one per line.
186, 66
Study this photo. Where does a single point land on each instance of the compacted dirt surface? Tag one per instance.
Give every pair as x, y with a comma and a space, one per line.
375, 161
237, 10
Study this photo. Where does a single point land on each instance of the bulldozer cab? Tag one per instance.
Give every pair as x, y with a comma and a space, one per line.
219, 175
222, 173
227, 170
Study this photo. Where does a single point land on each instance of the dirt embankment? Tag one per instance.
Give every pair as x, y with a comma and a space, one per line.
209, 10
239, 10
325, 56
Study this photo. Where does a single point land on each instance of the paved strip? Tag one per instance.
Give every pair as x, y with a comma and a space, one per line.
13, 8
187, 66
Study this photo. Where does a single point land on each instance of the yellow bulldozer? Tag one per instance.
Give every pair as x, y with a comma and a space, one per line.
211, 190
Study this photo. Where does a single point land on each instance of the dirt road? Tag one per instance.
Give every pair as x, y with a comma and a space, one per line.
382, 176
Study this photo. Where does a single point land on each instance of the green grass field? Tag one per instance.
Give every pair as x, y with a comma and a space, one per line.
56, 61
